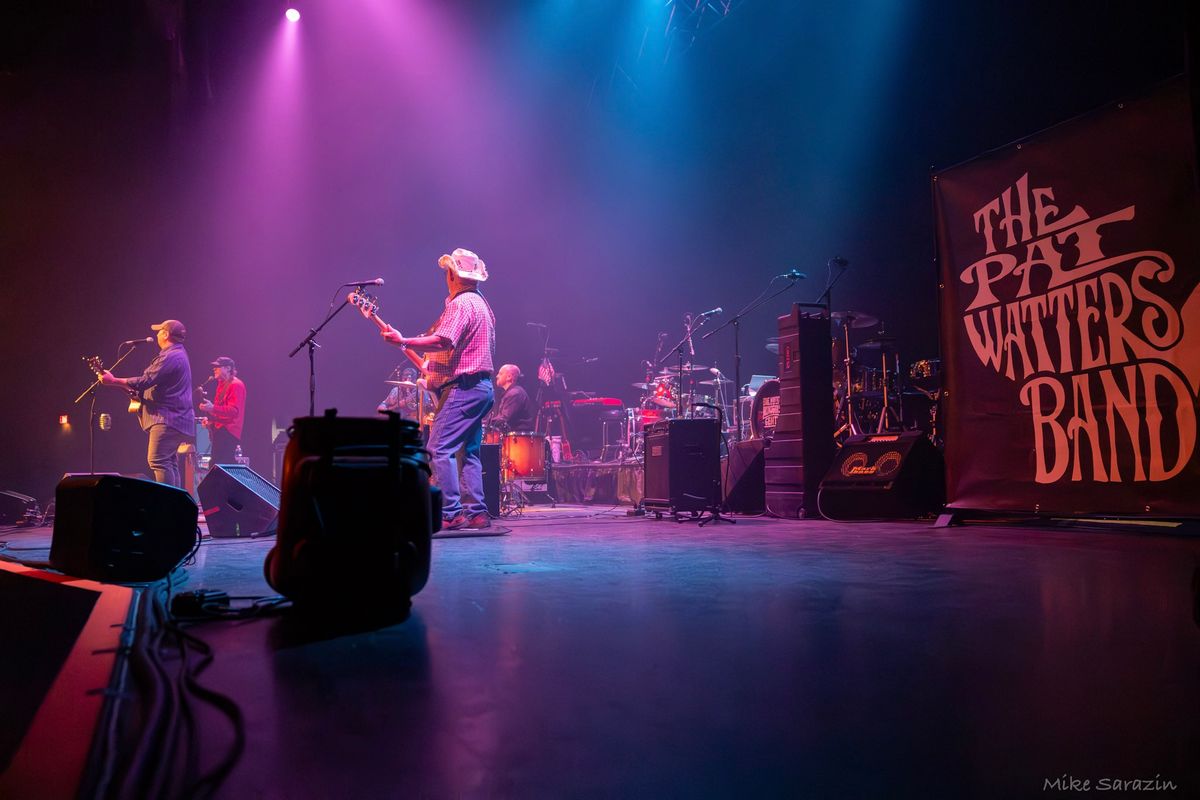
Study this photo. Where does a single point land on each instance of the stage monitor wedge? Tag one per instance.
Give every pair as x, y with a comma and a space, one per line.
121, 530
238, 502
884, 476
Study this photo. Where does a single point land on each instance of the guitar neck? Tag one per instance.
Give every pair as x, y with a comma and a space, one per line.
417, 360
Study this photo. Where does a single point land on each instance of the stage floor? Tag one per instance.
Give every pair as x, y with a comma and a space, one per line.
589, 653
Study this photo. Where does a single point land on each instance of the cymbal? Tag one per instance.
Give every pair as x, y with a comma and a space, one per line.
686, 368
773, 347
878, 343
642, 386
854, 319
408, 384
662, 402
715, 381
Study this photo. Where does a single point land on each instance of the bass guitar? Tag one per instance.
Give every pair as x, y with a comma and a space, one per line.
368, 305
135, 397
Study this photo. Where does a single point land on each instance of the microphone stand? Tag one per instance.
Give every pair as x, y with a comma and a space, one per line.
91, 390
688, 330
310, 342
736, 321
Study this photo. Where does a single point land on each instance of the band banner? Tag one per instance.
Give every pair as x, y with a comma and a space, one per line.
1070, 316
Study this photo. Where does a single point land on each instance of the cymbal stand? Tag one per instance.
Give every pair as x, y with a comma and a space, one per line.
888, 412
690, 326
850, 426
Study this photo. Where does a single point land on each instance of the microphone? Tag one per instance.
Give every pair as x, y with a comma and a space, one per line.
591, 359
796, 275
372, 282
536, 325
711, 312
839, 261
137, 341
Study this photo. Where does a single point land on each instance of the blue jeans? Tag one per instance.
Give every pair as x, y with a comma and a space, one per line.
459, 426
161, 453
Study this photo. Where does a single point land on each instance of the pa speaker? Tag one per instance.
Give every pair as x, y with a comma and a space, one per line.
237, 501
682, 466
884, 475
120, 530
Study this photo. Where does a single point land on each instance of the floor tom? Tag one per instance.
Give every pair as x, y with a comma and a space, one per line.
523, 456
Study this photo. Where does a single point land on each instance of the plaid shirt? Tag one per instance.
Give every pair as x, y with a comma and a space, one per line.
470, 326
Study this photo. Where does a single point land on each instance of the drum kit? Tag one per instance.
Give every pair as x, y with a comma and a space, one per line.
687, 391
872, 392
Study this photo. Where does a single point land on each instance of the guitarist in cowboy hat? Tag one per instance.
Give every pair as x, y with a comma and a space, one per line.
461, 346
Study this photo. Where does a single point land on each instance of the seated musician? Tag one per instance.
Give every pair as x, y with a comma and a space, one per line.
405, 398
513, 411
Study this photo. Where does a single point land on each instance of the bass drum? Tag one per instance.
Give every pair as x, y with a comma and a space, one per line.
523, 455
764, 413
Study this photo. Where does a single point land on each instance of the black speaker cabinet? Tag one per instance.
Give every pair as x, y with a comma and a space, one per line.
237, 501
109, 528
489, 457
745, 489
682, 467
802, 446
884, 475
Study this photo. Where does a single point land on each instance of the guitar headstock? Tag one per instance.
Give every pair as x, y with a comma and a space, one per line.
367, 304
94, 364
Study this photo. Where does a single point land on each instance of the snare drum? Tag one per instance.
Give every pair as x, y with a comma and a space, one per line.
523, 455
493, 435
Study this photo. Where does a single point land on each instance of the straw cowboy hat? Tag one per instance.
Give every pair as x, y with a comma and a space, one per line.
465, 264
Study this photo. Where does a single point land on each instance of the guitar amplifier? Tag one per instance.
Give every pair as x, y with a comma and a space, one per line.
682, 466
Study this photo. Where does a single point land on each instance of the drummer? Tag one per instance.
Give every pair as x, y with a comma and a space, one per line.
513, 411
404, 398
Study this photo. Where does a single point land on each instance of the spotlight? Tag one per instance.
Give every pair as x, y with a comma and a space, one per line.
292, 15
63, 419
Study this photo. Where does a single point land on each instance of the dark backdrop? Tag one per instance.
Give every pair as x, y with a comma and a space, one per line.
212, 163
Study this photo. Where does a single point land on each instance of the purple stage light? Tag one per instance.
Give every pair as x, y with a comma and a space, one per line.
292, 15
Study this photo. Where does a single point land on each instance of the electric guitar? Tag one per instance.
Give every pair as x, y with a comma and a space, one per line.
369, 307
135, 397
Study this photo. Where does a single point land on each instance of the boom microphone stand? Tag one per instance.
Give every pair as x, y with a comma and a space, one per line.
91, 390
310, 341
735, 321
